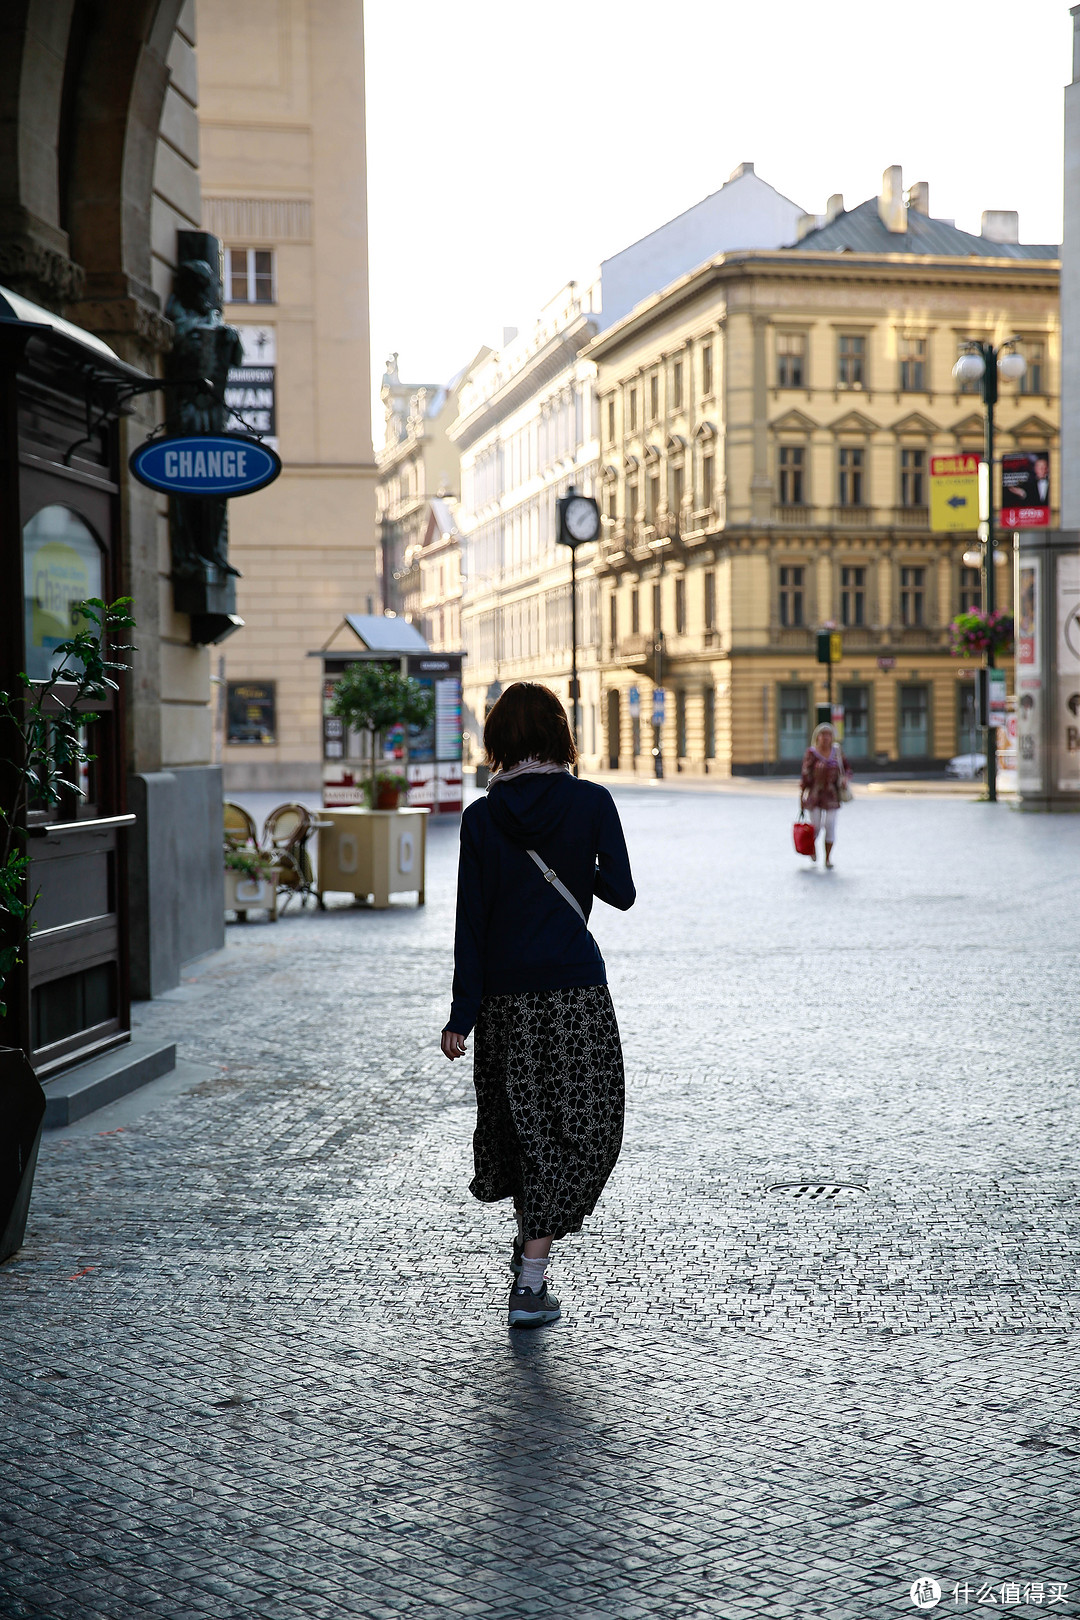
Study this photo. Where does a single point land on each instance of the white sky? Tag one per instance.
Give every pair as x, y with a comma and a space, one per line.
513, 144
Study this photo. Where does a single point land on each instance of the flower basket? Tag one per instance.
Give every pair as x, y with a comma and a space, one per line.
974, 634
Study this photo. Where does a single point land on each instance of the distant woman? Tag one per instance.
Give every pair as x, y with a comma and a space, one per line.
548, 1066
824, 770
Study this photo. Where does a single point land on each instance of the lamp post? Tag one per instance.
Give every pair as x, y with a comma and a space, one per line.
577, 523
983, 363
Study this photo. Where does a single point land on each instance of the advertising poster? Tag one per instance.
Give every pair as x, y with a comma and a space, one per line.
954, 493
1029, 690
1025, 489
251, 712
1068, 651
250, 391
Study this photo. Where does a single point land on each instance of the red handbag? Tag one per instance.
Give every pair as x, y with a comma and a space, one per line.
805, 837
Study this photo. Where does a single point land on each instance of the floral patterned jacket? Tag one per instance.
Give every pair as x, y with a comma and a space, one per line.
820, 777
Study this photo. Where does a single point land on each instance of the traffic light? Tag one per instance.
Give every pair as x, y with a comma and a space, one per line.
830, 647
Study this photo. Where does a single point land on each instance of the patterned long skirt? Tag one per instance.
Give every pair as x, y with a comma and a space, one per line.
548, 1072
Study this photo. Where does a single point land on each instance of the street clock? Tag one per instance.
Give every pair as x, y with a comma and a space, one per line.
578, 519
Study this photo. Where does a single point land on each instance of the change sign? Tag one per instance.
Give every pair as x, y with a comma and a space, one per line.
954, 493
205, 464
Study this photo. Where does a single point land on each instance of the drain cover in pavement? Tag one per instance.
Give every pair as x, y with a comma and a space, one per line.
817, 1192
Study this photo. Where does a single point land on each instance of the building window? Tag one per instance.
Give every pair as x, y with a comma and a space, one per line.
631, 500
676, 386
250, 276
710, 722
912, 597
852, 596
706, 370
851, 360
613, 620
913, 365
707, 480
913, 478
970, 590
790, 359
652, 494
656, 606
680, 724
792, 457
1032, 380
856, 701
791, 596
611, 501
633, 409
675, 488
710, 600
611, 421
680, 606
793, 722
635, 611
654, 397
914, 722
850, 481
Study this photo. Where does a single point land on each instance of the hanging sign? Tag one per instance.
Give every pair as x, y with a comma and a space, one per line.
1025, 490
954, 493
205, 464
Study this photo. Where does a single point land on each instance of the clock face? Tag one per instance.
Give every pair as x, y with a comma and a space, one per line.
581, 519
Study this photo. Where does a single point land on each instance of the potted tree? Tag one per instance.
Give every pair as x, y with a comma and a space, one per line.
44, 727
373, 697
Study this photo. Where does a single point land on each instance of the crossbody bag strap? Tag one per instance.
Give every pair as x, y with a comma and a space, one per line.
556, 882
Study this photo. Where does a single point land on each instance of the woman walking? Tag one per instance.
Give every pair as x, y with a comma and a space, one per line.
823, 786
548, 1066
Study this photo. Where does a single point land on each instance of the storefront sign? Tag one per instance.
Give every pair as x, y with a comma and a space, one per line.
1025, 490
251, 390
954, 493
205, 464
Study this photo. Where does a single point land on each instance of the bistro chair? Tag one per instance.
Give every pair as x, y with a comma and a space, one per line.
240, 829
285, 838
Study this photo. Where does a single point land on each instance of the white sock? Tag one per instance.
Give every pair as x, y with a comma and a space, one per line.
532, 1273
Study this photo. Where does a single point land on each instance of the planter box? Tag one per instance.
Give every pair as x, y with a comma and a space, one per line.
372, 854
244, 894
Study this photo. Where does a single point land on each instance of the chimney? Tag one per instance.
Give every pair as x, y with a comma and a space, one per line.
918, 200
804, 225
891, 207
1000, 225
739, 170
834, 207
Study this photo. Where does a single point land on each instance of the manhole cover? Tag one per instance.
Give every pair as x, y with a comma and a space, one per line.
817, 1192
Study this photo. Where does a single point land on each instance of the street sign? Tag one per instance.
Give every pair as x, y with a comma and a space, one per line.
1025, 490
659, 698
633, 703
954, 493
830, 647
205, 464
885, 663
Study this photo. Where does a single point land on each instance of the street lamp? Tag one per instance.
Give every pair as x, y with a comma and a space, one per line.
577, 524
983, 364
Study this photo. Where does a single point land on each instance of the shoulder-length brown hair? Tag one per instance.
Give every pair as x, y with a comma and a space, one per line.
528, 722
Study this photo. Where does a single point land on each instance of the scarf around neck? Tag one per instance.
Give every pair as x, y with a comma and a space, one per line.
526, 767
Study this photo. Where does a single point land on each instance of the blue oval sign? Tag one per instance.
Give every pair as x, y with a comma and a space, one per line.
206, 464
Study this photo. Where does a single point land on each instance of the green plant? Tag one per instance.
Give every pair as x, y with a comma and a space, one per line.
373, 697
45, 727
974, 633
251, 862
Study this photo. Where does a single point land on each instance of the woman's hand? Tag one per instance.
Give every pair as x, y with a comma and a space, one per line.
453, 1045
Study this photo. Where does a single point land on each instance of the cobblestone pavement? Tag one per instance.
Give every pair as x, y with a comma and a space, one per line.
256, 1361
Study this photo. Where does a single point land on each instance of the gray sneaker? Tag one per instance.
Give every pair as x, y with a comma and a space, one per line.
529, 1310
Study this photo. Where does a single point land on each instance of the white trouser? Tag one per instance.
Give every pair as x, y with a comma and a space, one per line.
829, 818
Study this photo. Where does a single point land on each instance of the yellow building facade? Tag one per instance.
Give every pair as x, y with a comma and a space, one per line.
767, 428
284, 187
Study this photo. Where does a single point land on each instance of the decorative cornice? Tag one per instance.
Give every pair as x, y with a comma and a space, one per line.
124, 316
41, 273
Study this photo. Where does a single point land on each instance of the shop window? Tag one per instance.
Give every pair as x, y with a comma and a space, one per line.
61, 568
793, 713
914, 722
856, 701
967, 719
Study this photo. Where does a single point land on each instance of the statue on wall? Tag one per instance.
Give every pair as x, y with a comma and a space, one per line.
204, 350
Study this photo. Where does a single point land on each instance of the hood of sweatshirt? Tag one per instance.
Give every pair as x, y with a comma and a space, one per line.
530, 809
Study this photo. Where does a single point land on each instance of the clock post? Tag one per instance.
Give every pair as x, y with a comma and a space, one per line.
577, 524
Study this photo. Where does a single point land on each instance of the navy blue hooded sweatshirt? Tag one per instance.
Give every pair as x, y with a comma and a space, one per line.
515, 931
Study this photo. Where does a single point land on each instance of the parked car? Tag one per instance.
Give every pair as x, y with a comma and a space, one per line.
968, 767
